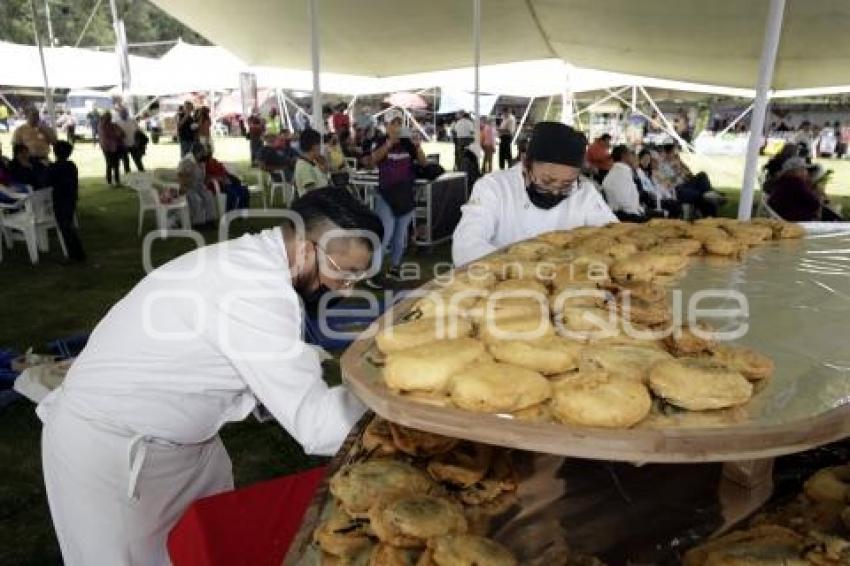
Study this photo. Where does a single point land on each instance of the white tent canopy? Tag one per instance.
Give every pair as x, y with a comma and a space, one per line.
716, 42
67, 67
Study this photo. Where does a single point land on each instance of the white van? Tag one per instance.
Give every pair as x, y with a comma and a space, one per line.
80, 103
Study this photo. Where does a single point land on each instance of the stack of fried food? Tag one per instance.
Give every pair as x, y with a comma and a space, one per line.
813, 530
576, 327
408, 497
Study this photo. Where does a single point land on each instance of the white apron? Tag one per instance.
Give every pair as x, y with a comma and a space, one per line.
114, 496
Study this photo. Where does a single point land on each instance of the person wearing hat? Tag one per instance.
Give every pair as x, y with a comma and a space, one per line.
544, 192
393, 155
793, 196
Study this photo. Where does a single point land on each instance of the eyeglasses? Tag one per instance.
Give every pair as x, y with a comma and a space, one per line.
348, 278
560, 189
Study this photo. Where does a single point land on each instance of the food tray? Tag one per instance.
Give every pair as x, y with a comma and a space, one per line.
618, 512
798, 296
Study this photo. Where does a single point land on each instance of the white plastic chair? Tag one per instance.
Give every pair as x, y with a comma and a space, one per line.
32, 223
287, 190
145, 186
351, 163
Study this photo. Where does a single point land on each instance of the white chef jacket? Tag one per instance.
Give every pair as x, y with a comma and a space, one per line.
198, 341
500, 213
621, 191
130, 438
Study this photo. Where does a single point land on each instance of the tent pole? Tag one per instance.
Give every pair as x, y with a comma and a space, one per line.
634, 98
548, 107
285, 107
567, 114
415, 123
522, 120
772, 34
668, 126
48, 94
736, 120
434, 109
476, 38
284, 119
313, 7
120, 48
603, 100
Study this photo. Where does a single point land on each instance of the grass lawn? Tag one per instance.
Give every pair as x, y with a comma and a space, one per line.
52, 300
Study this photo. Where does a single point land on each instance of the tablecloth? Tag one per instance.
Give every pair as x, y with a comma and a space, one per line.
249, 526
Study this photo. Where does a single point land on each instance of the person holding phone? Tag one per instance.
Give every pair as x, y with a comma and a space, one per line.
393, 154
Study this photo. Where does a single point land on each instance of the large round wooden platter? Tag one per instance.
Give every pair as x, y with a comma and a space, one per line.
797, 294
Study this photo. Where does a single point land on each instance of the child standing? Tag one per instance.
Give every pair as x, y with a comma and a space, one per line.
64, 179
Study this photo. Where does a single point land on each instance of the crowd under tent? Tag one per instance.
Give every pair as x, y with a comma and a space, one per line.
726, 42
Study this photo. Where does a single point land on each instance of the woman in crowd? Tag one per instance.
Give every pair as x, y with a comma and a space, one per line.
236, 194
664, 197
26, 171
795, 196
205, 127
311, 169
393, 155
191, 176
111, 137
335, 157
129, 147
488, 144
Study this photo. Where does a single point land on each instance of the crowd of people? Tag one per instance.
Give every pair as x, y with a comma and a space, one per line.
650, 182
31, 169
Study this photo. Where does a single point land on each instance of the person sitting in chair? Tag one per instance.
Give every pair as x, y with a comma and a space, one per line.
689, 188
620, 188
311, 169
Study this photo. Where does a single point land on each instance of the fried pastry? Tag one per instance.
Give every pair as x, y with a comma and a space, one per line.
626, 362
429, 366
419, 443
600, 400
699, 384
359, 486
753, 365
492, 387
547, 355
419, 332
466, 550
462, 467
410, 520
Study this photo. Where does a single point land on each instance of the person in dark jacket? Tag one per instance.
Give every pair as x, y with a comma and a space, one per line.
63, 177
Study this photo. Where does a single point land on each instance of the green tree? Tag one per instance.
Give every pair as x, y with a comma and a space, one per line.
143, 21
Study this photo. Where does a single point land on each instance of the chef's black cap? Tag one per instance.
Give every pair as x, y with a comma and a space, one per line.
554, 142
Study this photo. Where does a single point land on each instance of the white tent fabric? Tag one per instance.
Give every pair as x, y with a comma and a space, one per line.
717, 42
452, 101
67, 67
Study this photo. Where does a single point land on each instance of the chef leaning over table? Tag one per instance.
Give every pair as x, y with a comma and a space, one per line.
131, 437
543, 193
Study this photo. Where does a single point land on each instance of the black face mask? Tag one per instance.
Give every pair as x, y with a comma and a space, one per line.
544, 199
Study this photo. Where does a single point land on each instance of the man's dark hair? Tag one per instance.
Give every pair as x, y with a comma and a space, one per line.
605, 137
18, 149
62, 150
619, 152
309, 139
644, 151
668, 147
336, 208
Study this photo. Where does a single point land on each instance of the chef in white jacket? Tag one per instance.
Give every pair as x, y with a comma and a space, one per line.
543, 193
131, 437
